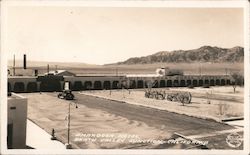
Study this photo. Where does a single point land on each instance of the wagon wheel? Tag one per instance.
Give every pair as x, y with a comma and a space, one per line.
184, 98
147, 93
187, 97
161, 97
156, 95
175, 97
169, 97
151, 95
180, 97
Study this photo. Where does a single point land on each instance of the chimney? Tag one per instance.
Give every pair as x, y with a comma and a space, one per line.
36, 72
56, 70
14, 66
48, 68
24, 61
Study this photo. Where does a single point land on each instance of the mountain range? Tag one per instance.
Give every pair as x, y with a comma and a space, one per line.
202, 54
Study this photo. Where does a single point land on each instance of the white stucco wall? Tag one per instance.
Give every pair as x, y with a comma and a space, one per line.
17, 115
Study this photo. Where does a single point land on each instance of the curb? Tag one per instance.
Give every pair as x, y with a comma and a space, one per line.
232, 119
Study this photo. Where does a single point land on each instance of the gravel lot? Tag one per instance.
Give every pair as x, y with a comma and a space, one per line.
101, 116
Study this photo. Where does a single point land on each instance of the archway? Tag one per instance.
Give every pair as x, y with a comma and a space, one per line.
207, 82
19, 87
140, 84
32, 87
132, 84
87, 85
162, 83
200, 82
169, 83
176, 83
107, 85
97, 85
182, 83
77, 85
50, 86
115, 84
223, 82
195, 83
217, 82
212, 82
189, 83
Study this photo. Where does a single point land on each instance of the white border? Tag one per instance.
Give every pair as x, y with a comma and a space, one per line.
169, 4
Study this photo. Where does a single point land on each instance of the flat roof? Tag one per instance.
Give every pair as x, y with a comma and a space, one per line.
15, 96
20, 77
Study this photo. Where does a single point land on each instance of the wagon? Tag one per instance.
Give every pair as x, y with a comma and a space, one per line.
178, 96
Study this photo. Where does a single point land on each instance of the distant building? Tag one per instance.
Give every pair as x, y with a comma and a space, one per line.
60, 73
168, 72
161, 71
17, 120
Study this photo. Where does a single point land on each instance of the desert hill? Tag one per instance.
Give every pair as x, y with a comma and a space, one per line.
202, 54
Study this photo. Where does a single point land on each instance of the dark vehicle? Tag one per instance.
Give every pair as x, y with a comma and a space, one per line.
66, 94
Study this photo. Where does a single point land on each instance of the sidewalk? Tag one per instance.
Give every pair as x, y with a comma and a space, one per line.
37, 138
238, 123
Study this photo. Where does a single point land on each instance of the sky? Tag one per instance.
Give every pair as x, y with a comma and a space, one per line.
102, 35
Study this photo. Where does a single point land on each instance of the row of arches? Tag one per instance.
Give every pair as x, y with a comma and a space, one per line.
98, 85
185, 83
195, 83
20, 87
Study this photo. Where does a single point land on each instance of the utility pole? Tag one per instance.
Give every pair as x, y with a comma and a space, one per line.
116, 71
68, 146
24, 61
200, 68
14, 66
56, 69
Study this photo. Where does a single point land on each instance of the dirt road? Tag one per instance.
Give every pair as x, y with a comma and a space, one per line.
171, 122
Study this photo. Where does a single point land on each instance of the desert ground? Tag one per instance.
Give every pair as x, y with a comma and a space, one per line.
100, 123
133, 121
216, 103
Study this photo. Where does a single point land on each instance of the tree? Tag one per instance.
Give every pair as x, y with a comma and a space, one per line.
237, 80
125, 84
